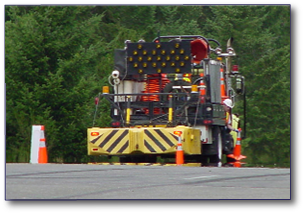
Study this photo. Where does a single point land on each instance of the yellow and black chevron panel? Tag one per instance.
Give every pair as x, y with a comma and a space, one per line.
159, 140
146, 140
110, 141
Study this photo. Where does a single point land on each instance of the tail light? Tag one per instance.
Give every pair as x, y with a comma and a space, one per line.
235, 68
179, 133
207, 122
95, 133
96, 100
116, 124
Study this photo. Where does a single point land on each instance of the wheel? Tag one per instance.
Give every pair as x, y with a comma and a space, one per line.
211, 154
217, 142
230, 148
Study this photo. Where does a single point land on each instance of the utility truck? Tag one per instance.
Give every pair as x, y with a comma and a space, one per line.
170, 88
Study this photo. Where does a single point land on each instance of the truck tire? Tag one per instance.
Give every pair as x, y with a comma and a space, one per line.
211, 154
217, 142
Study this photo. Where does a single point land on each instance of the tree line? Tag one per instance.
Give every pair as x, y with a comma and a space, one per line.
57, 58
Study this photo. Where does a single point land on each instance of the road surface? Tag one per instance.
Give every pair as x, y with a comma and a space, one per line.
82, 181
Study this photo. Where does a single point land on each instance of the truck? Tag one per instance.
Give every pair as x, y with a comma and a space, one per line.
168, 90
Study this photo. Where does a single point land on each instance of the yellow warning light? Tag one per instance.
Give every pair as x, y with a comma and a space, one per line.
135, 65
158, 45
177, 58
163, 52
105, 89
153, 52
149, 58
140, 46
177, 70
144, 52
219, 58
163, 64
172, 52
140, 58
168, 58
179, 133
182, 51
135, 52
158, 58
194, 88
159, 70
144, 64
186, 57
154, 64
177, 45
95, 133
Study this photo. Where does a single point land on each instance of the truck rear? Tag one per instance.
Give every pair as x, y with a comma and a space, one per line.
174, 84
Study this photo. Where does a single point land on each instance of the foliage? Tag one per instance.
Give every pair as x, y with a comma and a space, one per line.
57, 58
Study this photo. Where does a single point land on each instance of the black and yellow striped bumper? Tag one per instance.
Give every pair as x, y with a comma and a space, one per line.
146, 140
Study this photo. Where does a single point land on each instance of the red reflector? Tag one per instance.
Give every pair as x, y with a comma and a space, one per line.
207, 121
95, 133
96, 100
116, 124
205, 142
95, 149
178, 133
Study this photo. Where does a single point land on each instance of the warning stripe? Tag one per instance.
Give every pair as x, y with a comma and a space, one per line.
154, 140
167, 140
107, 138
158, 140
117, 141
122, 149
113, 141
148, 146
96, 139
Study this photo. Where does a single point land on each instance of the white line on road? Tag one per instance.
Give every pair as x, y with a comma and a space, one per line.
203, 177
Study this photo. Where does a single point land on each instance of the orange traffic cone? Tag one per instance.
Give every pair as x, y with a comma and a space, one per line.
202, 89
237, 151
179, 151
42, 153
222, 85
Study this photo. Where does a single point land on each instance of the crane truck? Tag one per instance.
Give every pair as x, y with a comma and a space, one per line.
171, 87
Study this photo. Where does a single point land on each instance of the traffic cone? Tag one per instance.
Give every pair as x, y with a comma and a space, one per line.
237, 151
42, 152
222, 85
179, 152
202, 89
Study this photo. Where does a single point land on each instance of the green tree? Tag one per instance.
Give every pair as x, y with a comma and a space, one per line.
262, 35
52, 54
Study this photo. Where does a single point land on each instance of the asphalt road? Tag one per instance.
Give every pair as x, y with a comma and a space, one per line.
82, 181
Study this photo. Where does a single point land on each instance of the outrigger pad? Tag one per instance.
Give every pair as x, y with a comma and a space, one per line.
159, 57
